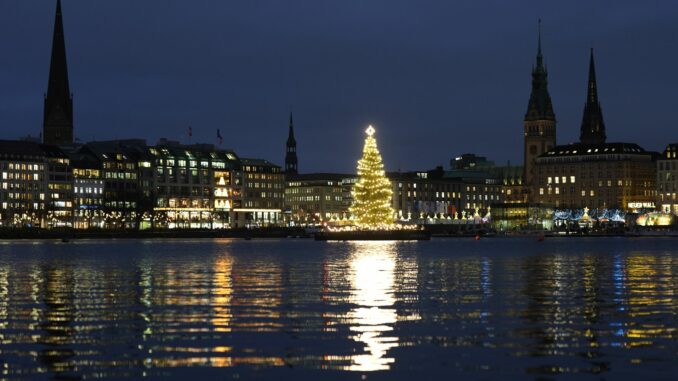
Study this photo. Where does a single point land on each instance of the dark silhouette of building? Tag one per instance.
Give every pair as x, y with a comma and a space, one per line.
58, 116
592, 125
291, 152
540, 120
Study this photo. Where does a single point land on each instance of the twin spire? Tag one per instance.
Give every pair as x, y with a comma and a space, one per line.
541, 108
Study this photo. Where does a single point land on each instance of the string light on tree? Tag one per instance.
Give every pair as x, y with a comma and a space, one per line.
372, 193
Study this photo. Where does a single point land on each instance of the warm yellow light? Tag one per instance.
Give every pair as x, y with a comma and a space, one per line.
372, 193
370, 130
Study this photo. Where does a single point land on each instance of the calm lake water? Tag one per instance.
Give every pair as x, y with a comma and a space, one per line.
500, 309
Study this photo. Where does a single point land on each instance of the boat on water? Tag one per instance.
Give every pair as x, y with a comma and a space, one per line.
373, 235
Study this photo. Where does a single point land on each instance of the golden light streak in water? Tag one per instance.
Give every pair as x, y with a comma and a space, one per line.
222, 293
372, 268
647, 278
4, 297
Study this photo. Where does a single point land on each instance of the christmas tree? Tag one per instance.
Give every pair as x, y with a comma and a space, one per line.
372, 193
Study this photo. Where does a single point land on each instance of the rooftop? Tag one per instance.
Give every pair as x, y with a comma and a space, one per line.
579, 149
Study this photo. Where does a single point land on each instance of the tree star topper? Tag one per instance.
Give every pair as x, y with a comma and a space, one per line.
370, 130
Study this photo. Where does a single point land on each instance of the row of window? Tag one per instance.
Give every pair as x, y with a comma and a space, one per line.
23, 205
312, 198
21, 176
22, 166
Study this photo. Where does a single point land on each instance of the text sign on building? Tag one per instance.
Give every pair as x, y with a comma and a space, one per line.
639, 205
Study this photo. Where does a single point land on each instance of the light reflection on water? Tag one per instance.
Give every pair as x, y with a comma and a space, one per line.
493, 309
372, 282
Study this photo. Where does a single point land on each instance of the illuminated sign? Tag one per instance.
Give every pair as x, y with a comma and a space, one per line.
639, 205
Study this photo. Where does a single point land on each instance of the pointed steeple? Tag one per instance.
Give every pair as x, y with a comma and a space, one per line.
539, 107
291, 151
540, 58
592, 125
290, 136
58, 112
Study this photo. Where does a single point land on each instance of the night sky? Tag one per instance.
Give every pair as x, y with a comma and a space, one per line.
436, 78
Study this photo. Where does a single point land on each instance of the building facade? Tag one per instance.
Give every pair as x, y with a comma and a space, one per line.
59, 197
667, 180
426, 194
24, 184
315, 198
262, 194
88, 192
603, 176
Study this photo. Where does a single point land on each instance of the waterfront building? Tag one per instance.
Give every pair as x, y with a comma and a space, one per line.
227, 179
59, 197
262, 194
539, 127
593, 173
315, 198
480, 189
88, 191
467, 191
291, 164
197, 186
514, 211
420, 195
667, 180
183, 185
58, 107
23, 188
347, 185
513, 188
119, 165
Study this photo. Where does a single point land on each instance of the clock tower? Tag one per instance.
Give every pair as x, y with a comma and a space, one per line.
540, 121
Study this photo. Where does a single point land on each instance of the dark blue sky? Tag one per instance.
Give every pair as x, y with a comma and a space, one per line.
436, 78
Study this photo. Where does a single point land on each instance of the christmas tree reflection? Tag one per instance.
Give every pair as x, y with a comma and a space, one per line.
372, 278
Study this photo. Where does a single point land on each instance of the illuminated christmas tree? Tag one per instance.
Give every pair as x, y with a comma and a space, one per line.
372, 193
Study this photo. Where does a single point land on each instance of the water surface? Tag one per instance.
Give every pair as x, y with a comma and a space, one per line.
494, 309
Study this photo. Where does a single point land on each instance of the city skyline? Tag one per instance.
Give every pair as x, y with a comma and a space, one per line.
140, 98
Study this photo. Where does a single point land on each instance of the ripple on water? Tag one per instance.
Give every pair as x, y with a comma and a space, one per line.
490, 309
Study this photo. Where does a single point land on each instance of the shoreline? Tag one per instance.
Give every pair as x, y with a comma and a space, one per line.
269, 233
164, 234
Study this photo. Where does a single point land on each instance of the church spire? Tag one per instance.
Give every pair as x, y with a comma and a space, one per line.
290, 135
291, 151
540, 58
592, 125
539, 107
58, 112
